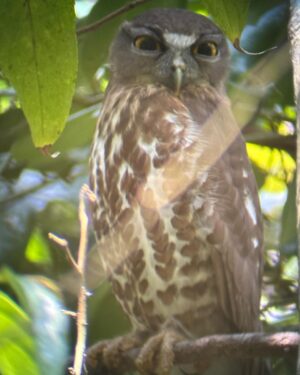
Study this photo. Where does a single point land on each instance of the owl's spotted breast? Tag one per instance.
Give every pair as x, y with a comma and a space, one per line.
177, 217
163, 197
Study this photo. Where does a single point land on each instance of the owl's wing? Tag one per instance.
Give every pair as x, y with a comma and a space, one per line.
237, 237
235, 215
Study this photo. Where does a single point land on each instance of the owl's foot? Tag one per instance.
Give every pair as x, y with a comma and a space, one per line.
109, 352
157, 355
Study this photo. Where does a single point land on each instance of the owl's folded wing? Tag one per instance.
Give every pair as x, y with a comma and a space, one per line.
237, 224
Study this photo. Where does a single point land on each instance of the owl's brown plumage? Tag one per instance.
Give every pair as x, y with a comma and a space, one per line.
177, 216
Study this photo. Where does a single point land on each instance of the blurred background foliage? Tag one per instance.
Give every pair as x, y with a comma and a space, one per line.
39, 194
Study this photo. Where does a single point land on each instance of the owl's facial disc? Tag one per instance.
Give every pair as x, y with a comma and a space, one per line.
186, 49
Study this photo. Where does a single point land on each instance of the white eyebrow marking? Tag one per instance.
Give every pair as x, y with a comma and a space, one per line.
179, 40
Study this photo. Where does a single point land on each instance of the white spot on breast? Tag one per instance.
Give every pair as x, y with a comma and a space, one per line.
251, 209
116, 146
198, 202
149, 148
179, 40
172, 118
255, 241
245, 173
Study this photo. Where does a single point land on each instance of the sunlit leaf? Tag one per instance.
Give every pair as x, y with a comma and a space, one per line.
285, 128
273, 185
39, 57
290, 269
290, 112
48, 322
230, 15
197, 7
276, 162
282, 315
37, 249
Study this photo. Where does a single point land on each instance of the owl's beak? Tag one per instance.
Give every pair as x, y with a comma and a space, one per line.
179, 67
178, 75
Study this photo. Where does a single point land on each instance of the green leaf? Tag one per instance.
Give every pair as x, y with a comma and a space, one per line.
230, 15
274, 161
17, 350
37, 249
39, 57
290, 269
77, 134
48, 322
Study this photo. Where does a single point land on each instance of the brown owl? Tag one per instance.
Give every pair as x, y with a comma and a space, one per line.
177, 216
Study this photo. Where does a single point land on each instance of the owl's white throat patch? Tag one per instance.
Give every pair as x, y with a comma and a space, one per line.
180, 41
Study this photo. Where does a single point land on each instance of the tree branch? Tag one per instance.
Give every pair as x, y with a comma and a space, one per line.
81, 320
79, 267
239, 346
294, 33
125, 8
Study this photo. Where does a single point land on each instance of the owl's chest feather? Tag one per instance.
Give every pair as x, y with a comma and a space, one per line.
155, 248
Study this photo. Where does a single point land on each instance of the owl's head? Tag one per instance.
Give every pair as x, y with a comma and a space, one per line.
173, 47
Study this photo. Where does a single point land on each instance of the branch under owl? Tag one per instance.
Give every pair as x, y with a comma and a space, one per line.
239, 346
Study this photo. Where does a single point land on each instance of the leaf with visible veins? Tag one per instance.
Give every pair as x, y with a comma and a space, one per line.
38, 55
230, 15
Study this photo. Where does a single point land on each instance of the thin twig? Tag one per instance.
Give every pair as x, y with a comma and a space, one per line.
79, 266
125, 8
82, 296
61, 242
72, 314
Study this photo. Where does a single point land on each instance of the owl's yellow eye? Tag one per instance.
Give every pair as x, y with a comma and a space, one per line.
209, 49
147, 43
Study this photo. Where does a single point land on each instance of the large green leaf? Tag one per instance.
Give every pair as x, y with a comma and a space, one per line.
48, 322
17, 350
38, 55
230, 15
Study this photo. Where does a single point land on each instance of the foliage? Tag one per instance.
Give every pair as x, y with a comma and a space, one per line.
35, 333
39, 193
45, 33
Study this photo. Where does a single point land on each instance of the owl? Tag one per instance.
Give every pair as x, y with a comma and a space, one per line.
177, 217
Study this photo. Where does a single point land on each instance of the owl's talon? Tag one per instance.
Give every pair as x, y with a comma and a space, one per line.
109, 353
112, 353
157, 356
